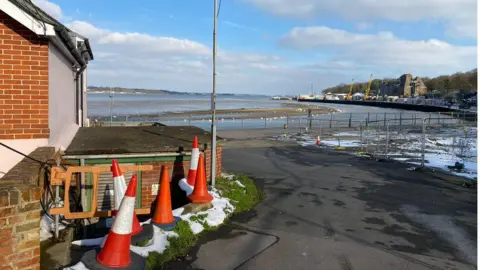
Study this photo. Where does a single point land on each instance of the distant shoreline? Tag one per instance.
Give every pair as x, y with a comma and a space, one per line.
164, 92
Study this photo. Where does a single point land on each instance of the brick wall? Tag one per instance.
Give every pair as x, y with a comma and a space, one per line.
177, 170
219, 161
23, 82
20, 213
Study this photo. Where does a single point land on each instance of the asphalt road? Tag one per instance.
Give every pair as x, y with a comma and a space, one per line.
325, 210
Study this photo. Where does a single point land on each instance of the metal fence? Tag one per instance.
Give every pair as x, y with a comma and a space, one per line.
443, 143
286, 121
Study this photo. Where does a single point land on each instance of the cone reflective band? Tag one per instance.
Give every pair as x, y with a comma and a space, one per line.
192, 172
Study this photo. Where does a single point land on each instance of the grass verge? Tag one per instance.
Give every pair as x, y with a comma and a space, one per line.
243, 198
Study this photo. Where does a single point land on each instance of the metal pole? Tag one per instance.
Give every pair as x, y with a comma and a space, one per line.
386, 140
111, 105
350, 121
189, 120
265, 119
57, 204
361, 136
331, 118
83, 194
213, 150
384, 119
423, 141
400, 119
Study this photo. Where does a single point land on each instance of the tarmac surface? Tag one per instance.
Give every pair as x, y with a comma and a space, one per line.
330, 210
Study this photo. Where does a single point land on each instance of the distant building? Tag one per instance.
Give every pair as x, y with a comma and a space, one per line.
407, 87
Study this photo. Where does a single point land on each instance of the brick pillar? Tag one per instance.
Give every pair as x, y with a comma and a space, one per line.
19, 226
20, 213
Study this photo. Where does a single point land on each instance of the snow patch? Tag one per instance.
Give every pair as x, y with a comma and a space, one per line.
183, 184
195, 227
213, 217
47, 227
78, 266
239, 183
89, 242
159, 244
228, 176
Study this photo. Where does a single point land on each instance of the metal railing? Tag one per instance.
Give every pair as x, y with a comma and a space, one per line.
288, 121
426, 142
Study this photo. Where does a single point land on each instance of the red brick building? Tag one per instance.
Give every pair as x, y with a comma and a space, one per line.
42, 103
42, 81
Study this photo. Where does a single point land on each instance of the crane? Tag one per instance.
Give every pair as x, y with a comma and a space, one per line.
367, 91
349, 96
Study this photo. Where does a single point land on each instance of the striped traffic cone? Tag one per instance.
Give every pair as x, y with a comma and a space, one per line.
186, 184
139, 233
200, 192
116, 251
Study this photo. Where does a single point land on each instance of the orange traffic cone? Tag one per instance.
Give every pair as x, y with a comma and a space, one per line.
139, 232
192, 172
163, 215
318, 141
200, 193
116, 251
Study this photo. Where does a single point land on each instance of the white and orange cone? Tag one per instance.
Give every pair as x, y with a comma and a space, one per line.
318, 142
116, 251
188, 183
139, 232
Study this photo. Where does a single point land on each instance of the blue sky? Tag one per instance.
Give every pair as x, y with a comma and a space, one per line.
270, 46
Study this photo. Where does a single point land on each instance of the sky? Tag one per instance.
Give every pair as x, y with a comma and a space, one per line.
270, 47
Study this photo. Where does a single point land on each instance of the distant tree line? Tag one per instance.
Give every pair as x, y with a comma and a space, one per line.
462, 81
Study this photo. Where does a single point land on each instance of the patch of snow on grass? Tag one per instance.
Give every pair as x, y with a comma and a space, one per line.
195, 227
214, 216
228, 176
239, 183
159, 243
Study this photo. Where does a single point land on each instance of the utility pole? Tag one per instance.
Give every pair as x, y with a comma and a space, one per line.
213, 149
111, 106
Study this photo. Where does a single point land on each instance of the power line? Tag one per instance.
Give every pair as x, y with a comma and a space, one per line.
219, 6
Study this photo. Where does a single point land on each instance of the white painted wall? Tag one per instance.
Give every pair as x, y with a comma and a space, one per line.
8, 158
62, 97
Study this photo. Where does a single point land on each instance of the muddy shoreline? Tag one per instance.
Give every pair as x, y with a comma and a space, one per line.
287, 110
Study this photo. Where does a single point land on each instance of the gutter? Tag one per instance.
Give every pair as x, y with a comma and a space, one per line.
55, 40
67, 39
111, 156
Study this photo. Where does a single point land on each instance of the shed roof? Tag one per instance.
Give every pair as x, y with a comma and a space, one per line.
136, 140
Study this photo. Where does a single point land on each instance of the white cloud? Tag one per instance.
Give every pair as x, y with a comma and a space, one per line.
382, 51
362, 26
52, 9
143, 60
459, 16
